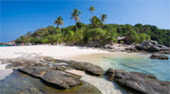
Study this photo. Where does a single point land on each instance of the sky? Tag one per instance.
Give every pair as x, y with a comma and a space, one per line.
18, 16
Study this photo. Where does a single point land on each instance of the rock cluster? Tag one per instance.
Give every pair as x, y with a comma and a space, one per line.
149, 46
139, 82
53, 71
159, 56
59, 78
87, 67
152, 46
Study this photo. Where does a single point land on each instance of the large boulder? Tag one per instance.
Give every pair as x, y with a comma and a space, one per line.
139, 82
34, 71
87, 67
59, 78
152, 46
159, 56
62, 79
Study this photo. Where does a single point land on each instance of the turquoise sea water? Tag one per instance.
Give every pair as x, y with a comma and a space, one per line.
158, 68
2, 45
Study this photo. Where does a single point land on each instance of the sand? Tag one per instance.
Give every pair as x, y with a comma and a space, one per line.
55, 51
60, 52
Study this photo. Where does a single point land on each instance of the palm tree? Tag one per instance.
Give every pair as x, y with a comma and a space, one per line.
103, 17
91, 9
59, 21
75, 15
95, 21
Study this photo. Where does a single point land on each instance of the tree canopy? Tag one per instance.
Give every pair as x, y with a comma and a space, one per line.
96, 31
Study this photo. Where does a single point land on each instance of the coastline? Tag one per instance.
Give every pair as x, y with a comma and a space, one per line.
82, 54
55, 51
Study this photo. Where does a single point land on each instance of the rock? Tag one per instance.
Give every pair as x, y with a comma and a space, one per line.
110, 73
62, 79
87, 67
131, 49
108, 46
159, 56
20, 83
139, 82
34, 71
151, 46
56, 77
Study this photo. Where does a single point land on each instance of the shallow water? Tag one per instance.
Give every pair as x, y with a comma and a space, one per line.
105, 86
158, 68
130, 62
19, 83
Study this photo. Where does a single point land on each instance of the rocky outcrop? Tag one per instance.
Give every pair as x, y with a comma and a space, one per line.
34, 71
152, 46
139, 82
159, 56
21, 83
60, 78
53, 71
87, 67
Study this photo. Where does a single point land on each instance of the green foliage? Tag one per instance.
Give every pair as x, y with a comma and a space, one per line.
132, 37
103, 34
110, 36
51, 29
75, 15
103, 17
96, 31
59, 21
143, 37
95, 21
91, 9
96, 34
36, 40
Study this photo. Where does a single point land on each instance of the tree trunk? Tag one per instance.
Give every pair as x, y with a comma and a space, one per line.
76, 25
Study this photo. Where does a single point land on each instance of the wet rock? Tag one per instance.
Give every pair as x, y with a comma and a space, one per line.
62, 79
87, 67
110, 73
56, 77
139, 82
159, 56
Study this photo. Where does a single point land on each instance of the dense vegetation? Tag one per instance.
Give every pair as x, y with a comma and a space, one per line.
95, 33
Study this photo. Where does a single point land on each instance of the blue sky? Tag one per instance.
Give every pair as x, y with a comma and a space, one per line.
19, 17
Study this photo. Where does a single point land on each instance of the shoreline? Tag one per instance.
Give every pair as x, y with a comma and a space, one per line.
54, 51
68, 53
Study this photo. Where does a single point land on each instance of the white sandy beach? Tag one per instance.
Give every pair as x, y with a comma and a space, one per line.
59, 52
55, 51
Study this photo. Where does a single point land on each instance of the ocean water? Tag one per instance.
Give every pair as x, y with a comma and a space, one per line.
158, 68
135, 62
2, 45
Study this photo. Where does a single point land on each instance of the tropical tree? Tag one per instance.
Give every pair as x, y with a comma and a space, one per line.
91, 9
95, 21
103, 17
143, 37
59, 21
132, 37
75, 15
